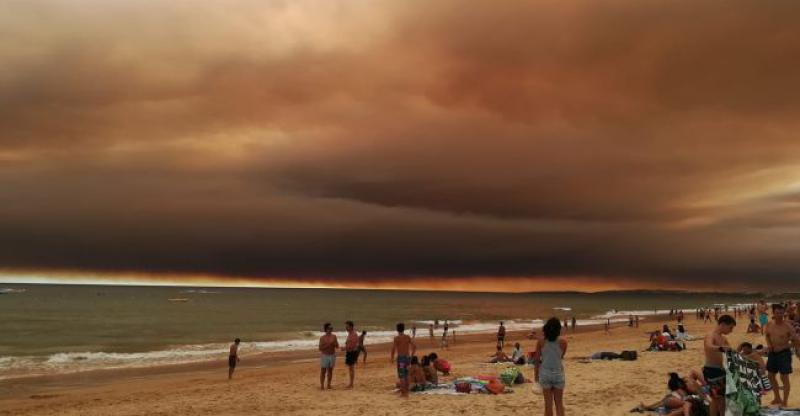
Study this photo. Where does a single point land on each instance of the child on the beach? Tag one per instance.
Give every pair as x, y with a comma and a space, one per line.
404, 347
551, 373
440, 364
431, 375
416, 376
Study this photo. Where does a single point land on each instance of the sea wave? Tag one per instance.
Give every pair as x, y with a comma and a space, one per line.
71, 362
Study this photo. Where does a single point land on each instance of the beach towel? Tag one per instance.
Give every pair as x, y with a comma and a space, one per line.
745, 385
780, 412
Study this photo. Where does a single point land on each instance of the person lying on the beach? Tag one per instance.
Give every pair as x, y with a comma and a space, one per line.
677, 403
499, 356
431, 375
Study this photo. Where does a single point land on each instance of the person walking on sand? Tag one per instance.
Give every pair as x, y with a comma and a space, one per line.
351, 348
444, 335
362, 347
430, 331
714, 347
763, 318
574, 324
551, 372
501, 335
414, 331
233, 357
781, 337
404, 347
327, 348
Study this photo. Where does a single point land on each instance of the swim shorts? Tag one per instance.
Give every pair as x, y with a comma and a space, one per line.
763, 319
327, 361
232, 361
780, 362
351, 357
715, 377
402, 366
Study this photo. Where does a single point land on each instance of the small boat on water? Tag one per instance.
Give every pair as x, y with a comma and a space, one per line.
9, 290
178, 300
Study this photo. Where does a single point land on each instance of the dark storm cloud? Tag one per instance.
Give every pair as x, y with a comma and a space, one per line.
643, 142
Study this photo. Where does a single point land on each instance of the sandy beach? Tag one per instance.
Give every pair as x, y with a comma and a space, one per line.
287, 383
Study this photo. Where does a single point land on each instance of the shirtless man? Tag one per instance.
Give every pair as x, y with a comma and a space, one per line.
501, 335
780, 340
233, 357
430, 331
352, 347
327, 348
714, 347
404, 346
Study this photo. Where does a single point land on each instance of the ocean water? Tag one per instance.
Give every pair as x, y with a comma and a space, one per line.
66, 328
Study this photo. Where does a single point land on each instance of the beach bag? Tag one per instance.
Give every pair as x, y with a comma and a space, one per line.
463, 387
628, 355
520, 378
508, 375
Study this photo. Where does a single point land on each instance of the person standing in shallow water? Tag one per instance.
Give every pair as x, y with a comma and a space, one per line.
233, 357
551, 372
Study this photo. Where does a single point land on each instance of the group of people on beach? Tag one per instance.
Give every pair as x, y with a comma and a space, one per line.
687, 396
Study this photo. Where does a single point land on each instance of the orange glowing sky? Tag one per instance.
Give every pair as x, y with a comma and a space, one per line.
546, 145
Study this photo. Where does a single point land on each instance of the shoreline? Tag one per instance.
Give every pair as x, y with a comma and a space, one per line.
288, 383
36, 384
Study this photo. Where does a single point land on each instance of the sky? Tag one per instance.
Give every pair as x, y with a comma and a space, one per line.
442, 144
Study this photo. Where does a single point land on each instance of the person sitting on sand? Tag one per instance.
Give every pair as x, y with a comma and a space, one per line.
667, 333
404, 347
431, 375
416, 376
682, 335
327, 348
746, 350
517, 356
233, 357
753, 327
499, 356
440, 364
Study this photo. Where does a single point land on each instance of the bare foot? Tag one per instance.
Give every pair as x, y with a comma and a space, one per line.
777, 401
349, 386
